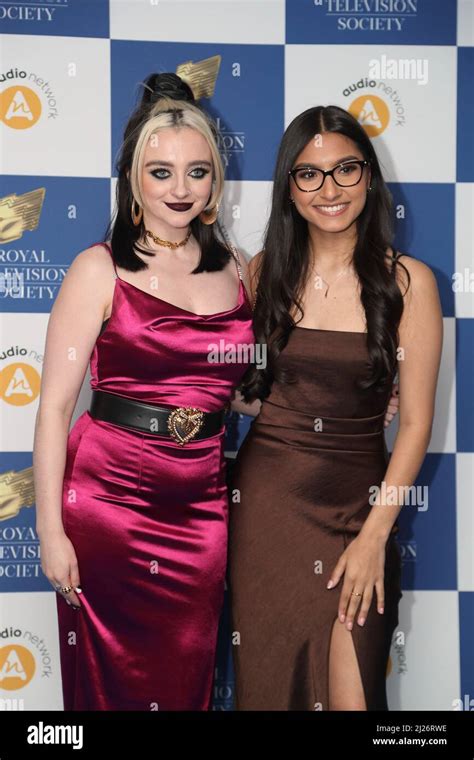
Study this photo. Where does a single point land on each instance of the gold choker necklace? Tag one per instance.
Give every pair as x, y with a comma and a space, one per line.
168, 243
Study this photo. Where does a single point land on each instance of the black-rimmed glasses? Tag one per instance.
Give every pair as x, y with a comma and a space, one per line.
308, 178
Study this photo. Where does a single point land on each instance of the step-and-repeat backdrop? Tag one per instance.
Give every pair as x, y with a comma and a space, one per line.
69, 76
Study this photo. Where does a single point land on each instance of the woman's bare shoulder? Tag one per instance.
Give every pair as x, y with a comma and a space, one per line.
91, 267
92, 260
255, 262
412, 274
89, 279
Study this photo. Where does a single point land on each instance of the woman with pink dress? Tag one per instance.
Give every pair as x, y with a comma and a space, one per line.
132, 506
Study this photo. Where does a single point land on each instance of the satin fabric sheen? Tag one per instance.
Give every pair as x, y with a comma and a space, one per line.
148, 518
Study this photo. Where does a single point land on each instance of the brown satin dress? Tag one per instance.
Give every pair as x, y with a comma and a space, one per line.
304, 495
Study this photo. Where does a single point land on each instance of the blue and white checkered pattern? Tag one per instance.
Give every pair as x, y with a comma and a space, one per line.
70, 74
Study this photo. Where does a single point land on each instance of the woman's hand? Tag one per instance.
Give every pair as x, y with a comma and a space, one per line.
59, 564
393, 404
362, 564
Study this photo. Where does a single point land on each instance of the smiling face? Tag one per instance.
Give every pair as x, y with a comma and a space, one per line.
332, 208
176, 178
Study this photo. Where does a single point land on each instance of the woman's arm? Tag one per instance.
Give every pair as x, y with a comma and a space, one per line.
73, 327
421, 330
421, 337
238, 404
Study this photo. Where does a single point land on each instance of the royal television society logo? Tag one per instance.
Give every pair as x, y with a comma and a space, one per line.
223, 691
25, 273
231, 143
19, 213
16, 491
408, 551
23, 10
369, 15
19, 546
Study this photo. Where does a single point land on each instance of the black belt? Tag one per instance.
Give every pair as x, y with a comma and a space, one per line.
182, 423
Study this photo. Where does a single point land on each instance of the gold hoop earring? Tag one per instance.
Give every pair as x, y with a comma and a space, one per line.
209, 217
136, 216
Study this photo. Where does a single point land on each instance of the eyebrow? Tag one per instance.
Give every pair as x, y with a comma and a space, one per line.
170, 163
336, 163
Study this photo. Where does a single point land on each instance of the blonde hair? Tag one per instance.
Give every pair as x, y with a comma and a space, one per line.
161, 117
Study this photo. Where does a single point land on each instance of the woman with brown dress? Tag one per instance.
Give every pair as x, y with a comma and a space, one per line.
314, 564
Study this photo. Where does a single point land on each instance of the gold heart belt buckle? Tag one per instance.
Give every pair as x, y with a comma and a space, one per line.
184, 423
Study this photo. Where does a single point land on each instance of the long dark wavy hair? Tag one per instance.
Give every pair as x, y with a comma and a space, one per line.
284, 265
167, 101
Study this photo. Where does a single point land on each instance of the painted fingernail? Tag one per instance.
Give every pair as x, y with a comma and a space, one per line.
361, 621
68, 602
342, 617
330, 584
381, 610
349, 626
78, 589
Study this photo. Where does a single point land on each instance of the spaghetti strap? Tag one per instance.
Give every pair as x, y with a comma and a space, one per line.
109, 248
395, 257
397, 254
236, 256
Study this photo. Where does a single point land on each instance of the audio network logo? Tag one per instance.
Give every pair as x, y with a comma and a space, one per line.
26, 99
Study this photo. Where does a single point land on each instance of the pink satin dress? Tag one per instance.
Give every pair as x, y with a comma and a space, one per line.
147, 517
